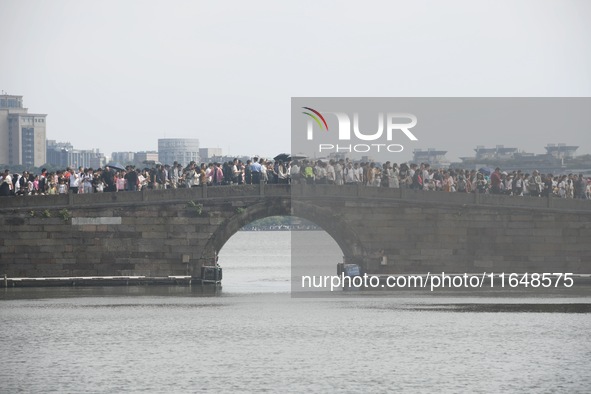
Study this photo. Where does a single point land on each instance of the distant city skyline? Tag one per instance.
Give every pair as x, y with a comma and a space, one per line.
474, 152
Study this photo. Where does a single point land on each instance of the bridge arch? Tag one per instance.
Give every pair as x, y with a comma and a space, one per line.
339, 230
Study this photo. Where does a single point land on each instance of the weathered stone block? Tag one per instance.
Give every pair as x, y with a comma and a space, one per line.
154, 235
437, 252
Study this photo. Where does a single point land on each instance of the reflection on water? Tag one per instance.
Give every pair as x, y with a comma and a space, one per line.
110, 291
251, 336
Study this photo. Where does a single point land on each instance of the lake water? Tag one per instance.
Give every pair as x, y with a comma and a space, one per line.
252, 336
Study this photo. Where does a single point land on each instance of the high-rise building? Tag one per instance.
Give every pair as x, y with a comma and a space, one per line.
181, 150
57, 153
123, 158
22, 135
209, 153
63, 154
145, 158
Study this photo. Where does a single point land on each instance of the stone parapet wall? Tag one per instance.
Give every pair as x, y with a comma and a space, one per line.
425, 237
174, 232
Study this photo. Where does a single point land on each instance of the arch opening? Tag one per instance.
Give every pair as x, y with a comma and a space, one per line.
335, 232
267, 255
339, 230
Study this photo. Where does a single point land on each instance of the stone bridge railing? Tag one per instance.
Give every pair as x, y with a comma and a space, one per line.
301, 191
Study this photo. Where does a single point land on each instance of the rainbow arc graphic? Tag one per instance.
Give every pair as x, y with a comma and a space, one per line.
316, 115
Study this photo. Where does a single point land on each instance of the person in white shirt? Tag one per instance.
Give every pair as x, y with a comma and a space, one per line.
357, 173
294, 172
5, 184
236, 173
264, 176
562, 186
17, 183
426, 176
87, 178
509, 184
349, 174
338, 170
518, 185
282, 173
74, 181
394, 180
330, 172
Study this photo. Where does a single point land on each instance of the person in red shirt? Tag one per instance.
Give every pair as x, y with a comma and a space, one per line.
495, 181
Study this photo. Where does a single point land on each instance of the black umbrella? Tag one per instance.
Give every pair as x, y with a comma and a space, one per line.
116, 166
282, 157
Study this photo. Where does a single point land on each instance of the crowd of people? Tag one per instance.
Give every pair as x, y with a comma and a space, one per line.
337, 172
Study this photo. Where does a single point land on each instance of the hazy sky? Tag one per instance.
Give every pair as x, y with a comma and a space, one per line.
119, 74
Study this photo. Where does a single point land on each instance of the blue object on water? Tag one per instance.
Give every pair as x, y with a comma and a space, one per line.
352, 270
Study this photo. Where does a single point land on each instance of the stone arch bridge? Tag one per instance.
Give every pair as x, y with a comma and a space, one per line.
175, 232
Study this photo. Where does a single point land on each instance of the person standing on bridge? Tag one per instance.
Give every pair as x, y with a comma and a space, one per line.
386, 174
349, 174
547, 189
5, 184
534, 184
236, 173
201, 171
294, 172
330, 172
109, 180
175, 175
357, 173
228, 173
86, 179
255, 170
580, 186
417, 180
282, 173
217, 175
448, 182
308, 172
191, 177
320, 173
394, 179
132, 179
74, 181
339, 168
248, 172
495, 181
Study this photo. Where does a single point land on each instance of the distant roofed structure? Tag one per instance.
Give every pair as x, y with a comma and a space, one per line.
499, 152
434, 157
555, 160
561, 151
